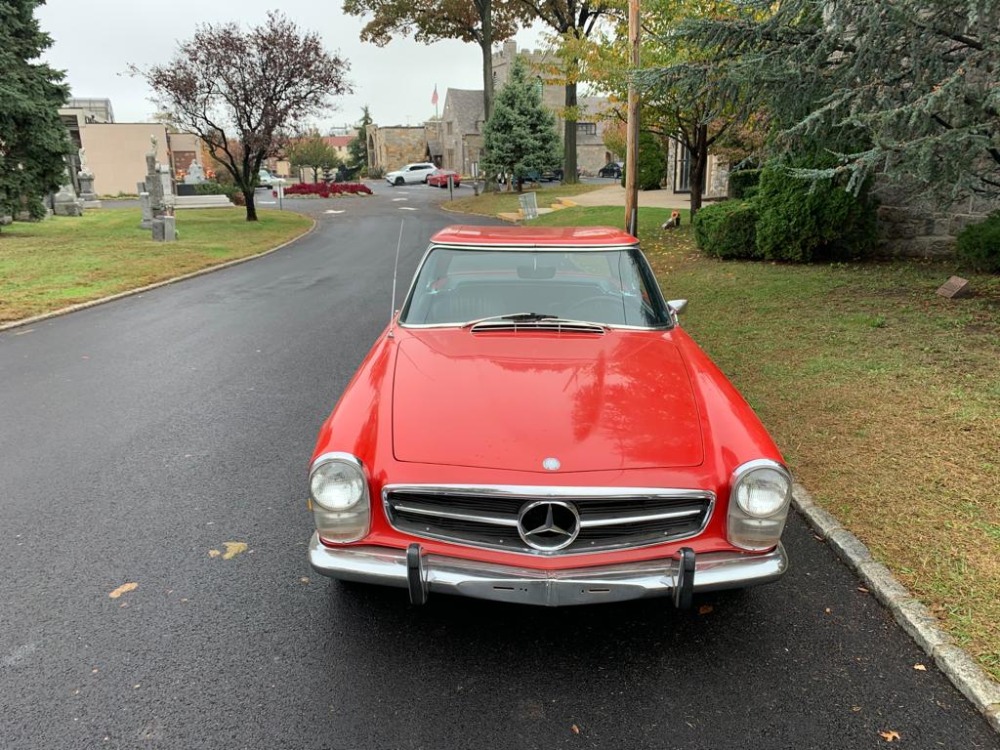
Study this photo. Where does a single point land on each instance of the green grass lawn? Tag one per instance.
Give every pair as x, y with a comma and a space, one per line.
884, 399
62, 261
491, 204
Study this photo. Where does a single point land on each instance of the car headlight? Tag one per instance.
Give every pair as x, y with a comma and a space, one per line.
760, 494
338, 488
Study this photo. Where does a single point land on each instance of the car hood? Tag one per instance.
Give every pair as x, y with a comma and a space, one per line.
510, 401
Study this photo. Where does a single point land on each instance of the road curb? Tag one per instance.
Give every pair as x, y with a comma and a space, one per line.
128, 293
963, 671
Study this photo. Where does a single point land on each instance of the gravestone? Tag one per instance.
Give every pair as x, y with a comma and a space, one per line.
195, 175
159, 188
86, 179
147, 210
66, 203
954, 288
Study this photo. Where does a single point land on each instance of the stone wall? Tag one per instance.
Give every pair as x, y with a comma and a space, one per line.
392, 147
920, 228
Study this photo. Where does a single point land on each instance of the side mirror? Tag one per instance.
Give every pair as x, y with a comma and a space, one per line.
677, 305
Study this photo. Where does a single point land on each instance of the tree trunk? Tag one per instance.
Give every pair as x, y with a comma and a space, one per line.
248, 196
699, 166
569, 136
486, 48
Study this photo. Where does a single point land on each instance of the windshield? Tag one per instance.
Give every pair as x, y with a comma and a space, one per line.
455, 286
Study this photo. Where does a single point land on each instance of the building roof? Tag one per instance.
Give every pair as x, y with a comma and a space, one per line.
338, 141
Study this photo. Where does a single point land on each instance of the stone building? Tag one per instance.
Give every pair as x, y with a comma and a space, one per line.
462, 129
391, 147
591, 153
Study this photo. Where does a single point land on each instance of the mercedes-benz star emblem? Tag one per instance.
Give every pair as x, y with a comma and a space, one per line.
548, 525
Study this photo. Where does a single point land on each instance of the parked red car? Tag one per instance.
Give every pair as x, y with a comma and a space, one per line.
535, 426
439, 178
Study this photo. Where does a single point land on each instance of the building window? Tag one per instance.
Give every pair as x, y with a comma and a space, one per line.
586, 128
450, 159
447, 127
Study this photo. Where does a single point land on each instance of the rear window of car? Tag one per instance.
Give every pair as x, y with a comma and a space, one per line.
456, 286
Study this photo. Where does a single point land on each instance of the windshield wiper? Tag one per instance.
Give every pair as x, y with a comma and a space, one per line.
527, 316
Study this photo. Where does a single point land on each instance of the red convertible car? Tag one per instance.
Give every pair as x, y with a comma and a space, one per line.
535, 426
439, 178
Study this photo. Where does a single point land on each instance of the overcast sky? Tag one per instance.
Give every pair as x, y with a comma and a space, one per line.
94, 41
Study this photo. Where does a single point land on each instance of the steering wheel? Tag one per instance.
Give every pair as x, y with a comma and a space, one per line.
601, 308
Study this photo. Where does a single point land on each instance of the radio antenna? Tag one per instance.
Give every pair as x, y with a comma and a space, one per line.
395, 272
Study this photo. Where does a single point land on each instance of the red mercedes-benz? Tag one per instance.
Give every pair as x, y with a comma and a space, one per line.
535, 426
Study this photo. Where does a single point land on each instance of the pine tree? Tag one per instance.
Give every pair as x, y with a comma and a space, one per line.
33, 140
357, 149
520, 138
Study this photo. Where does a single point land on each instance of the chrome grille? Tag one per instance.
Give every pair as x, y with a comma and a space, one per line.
487, 516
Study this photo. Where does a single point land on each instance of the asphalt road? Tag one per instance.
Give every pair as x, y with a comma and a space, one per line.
138, 438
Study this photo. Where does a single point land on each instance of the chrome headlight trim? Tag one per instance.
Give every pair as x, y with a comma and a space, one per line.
345, 459
743, 472
757, 531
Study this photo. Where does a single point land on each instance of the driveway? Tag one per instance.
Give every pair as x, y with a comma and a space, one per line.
156, 593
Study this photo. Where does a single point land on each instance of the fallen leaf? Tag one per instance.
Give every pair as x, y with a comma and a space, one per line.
890, 736
214, 553
855, 708
862, 589
827, 610
705, 609
575, 729
233, 549
123, 589
304, 580
920, 667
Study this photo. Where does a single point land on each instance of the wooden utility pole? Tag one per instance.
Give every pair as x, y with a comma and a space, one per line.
632, 127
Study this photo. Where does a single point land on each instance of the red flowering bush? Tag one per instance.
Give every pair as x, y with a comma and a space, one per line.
324, 190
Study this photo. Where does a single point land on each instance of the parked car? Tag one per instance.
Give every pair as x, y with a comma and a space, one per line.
612, 169
439, 178
411, 174
535, 426
265, 179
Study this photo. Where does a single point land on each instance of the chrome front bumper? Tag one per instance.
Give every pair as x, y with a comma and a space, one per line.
551, 588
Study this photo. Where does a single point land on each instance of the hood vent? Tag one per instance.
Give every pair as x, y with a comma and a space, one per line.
548, 326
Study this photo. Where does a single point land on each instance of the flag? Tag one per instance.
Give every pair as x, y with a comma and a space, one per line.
434, 96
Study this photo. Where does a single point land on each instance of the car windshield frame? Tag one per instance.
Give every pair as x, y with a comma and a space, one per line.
642, 289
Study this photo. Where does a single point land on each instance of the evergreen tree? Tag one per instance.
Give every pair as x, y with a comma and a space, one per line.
520, 138
906, 88
33, 140
358, 148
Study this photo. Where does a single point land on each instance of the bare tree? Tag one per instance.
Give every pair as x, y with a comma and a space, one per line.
242, 91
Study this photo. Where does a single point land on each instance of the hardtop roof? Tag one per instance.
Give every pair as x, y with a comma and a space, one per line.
533, 237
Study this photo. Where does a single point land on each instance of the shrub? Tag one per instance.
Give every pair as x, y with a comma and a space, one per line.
727, 229
214, 188
325, 190
742, 182
802, 220
652, 163
979, 245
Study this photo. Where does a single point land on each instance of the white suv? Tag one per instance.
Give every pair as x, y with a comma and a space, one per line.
411, 173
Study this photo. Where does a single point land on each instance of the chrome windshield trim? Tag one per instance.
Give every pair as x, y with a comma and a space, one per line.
475, 517
600, 522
